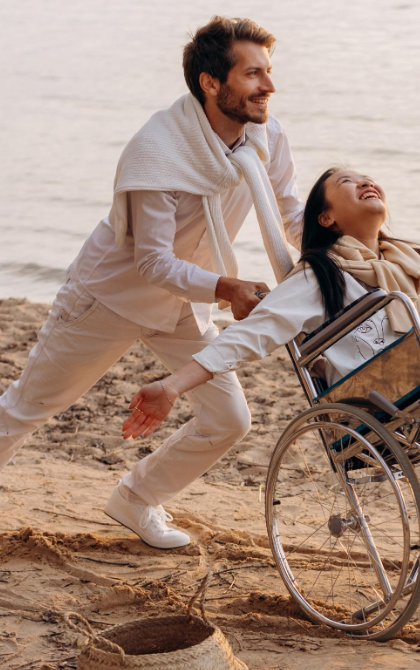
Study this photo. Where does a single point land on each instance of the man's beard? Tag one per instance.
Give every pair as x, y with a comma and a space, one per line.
236, 108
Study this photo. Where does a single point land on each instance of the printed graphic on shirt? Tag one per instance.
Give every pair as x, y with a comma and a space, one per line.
370, 336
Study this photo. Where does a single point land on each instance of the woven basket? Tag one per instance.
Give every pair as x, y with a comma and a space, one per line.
184, 642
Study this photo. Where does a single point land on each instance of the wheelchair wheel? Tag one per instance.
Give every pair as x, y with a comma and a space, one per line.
342, 512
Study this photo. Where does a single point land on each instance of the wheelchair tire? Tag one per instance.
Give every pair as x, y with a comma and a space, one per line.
343, 515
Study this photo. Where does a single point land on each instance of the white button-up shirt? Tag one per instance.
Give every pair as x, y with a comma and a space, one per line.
166, 260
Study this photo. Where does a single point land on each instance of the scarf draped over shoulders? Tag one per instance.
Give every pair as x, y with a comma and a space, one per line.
177, 150
397, 269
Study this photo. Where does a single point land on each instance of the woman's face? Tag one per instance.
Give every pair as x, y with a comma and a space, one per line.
356, 204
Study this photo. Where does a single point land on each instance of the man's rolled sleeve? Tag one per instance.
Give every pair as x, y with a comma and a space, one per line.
153, 225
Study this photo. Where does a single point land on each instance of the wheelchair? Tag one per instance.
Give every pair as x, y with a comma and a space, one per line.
352, 562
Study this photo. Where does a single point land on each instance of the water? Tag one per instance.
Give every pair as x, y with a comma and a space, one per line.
78, 79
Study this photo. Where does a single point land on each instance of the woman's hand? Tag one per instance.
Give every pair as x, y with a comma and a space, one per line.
150, 405
154, 401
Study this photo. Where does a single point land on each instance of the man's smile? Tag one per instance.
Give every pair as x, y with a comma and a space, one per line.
263, 101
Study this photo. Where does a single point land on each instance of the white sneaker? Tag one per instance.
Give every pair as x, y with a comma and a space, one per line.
148, 522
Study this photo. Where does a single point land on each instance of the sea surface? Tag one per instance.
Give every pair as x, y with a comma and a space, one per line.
79, 78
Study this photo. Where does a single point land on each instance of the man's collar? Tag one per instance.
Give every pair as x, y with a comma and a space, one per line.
227, 150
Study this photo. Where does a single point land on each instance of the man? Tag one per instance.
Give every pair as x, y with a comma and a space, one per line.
152, 269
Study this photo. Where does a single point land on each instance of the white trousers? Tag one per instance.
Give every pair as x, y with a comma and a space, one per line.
77, 344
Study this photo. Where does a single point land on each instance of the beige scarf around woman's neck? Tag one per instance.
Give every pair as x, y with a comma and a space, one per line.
398, 269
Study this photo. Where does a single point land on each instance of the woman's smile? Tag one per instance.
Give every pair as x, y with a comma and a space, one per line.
369, 193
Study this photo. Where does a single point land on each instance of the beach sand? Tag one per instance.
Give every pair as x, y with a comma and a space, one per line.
59, 552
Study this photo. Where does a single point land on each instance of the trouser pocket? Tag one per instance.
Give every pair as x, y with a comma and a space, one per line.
77, 308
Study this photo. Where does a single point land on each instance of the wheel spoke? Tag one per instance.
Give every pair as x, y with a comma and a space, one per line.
343, 548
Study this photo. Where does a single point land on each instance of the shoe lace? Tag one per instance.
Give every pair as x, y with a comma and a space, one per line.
155, 516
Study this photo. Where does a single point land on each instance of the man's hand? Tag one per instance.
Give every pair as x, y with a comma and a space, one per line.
241, 295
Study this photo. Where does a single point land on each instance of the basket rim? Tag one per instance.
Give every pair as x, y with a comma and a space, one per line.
214, 631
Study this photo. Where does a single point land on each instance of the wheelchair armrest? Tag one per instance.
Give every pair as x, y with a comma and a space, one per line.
340, 324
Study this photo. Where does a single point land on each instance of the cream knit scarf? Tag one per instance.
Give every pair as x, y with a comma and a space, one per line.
398, 269
177, 150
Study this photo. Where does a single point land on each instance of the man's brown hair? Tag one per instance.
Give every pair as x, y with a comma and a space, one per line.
211, 49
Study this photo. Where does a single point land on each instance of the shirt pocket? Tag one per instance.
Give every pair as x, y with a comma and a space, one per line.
77, 308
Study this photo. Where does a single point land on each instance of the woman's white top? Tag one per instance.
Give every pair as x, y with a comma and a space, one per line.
293, 307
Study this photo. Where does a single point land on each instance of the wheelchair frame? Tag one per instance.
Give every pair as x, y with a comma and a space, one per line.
378, 449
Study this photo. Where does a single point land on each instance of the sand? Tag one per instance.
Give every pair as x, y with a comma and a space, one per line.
59, 552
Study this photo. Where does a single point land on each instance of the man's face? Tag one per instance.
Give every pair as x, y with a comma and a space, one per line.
244, 96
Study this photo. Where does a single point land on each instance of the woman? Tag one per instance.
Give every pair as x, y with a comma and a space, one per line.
344, 254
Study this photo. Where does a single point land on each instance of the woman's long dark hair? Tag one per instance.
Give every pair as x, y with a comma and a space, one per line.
317, 241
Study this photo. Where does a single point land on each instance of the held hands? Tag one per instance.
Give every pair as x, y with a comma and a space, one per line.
150, 405
242, 295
